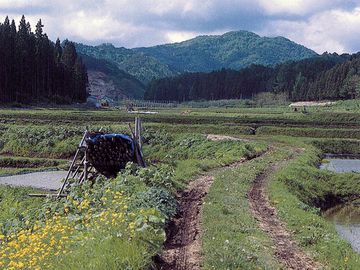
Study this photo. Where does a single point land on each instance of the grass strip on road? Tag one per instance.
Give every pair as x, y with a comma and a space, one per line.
231, 237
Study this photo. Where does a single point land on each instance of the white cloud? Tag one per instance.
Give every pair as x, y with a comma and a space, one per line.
21, 3
319, 24
332, 31
179, 36
300, 7
296, 7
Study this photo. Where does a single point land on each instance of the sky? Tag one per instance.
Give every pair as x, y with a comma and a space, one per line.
321, 25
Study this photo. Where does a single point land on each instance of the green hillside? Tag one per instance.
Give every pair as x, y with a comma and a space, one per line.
144, 68
233, 50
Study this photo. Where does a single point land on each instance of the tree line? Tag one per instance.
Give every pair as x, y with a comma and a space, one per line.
328, 76
34, 69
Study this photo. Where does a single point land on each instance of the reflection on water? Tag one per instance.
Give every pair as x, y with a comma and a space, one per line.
338, 163
347, 223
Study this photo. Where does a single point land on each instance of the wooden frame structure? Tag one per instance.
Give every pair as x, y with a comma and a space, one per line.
80, 168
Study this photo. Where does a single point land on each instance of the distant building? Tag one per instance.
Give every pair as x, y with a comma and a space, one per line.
100, 101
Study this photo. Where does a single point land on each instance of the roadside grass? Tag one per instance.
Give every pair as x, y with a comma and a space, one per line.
104, 252
76, 227
299, 192
15, 205
315, 187
232, 238
193, 154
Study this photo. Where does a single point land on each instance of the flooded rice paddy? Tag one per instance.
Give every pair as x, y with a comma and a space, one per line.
347, 222
341, 163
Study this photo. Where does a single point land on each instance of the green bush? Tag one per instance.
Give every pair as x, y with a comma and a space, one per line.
309, 132
20, 162
338, 146
158, 198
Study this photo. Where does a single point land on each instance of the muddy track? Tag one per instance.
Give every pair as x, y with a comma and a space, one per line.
182, 249
286, 250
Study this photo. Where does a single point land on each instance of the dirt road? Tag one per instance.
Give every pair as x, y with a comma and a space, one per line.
182, 249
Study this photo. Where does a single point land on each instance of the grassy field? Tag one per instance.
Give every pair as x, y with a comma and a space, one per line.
126, 216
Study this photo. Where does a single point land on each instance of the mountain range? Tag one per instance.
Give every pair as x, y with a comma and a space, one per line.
232, 50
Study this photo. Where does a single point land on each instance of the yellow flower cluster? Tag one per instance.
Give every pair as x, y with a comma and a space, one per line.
29, 248
114, 214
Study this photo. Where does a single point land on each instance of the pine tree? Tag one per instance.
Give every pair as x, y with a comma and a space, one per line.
33, 69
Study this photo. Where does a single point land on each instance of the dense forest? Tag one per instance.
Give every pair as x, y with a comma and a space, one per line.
329, 76
34, 69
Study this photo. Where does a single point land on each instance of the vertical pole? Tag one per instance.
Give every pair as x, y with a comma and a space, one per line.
139, 134
136, 129
85, 166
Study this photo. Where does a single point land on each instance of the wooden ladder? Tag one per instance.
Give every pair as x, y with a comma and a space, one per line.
79, 169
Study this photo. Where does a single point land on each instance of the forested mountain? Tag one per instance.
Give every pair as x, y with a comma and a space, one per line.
106, 79
34, 69
233, 50
329, 76
143, 67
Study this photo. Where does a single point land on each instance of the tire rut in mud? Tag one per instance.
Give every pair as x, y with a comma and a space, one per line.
286, 250
182, 249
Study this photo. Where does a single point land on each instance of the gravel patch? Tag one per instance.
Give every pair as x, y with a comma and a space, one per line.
42, 180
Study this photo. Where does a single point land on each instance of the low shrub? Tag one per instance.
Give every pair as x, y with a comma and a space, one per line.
338, 146
309, 132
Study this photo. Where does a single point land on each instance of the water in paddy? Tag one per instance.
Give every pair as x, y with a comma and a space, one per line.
347, 222
341, 163
345, 217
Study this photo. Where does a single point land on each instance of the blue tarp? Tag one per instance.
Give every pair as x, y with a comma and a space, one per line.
95, 139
